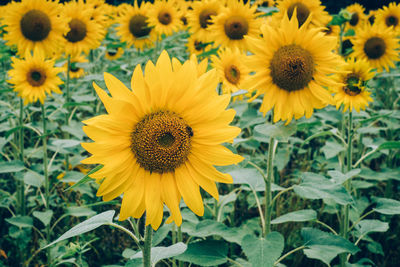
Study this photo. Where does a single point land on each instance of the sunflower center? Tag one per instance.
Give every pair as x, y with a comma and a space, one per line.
328, 30
236, 27
375, 47
138, 26
205, 17
354, 19
392, 21
198, 45
353, 84
302, 12
77, 31
161, 141
232, 74
164, 18
184, 20
36, 78
265, 4
74, 68
292, 67
112, 52
35, 25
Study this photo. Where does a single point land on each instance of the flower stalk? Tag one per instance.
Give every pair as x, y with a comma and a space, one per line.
268, 182
21, 186
68, 100
147, 246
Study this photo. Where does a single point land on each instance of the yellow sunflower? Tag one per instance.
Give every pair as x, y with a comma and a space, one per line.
353, 92
99, 11
231, 69
389, 16
199, 19
294, 69
358, 17
134, 29
161, 139
84, 34
183, 8
197, 46
34, 76
378, 45
35, 24
164, 17
76, 71
304, 9
114, 53
234, 22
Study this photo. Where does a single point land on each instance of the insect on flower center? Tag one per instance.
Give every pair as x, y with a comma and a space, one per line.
375, 47
35, 25
302, 12
236, 27
164, 18
392, 21
355, 18
161, 141
205, 17
292, 67
354, 84
36, 78
232, 74
77, 31
138, 26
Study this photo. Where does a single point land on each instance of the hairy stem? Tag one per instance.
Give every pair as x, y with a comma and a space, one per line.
147, 246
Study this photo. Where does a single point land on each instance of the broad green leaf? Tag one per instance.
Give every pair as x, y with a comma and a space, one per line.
252, 178
210, 227
390, 145
33, 178
85, 178
296, 216
369, 226
20, 221
279, 131
44, 217
340, 178
160, 253
11, 166
80, 211
86, 226
325, 246
387, 206
263, 251
205, 253
332, 149
160, 234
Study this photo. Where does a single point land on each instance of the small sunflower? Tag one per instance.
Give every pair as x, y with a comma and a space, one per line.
35, 24
353, 92
358, 17
293, 71
34, 76
76, 71
164, 17
114, 53
231, 69
134, 28
99, 11
197, 46
200, 18
235, 21
84, 34
378, 45
160, 140
389, 16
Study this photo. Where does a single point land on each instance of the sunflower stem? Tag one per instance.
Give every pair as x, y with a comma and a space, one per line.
147, 246
68, 96
180, 239
268, 182
46, 177
21, 186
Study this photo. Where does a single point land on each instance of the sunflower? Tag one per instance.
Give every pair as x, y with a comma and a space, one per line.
389, 16
358, 17
199, 19
264, 3
231, 69
164, 17
114, 53
84, 34
133, 27
160, 141
76, 71
235, 22
304, 9
35, 24
291, 73
183, 8
197, 46
34, 77
378, 45
99, 11
353, 92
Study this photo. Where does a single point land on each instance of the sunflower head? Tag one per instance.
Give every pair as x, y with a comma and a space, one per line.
389, 16
358, 17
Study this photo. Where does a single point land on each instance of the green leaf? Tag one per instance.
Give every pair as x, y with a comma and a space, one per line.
11, 166
340, 178
86, 226
350, 32
210, 227
205, 253
44, 216
263, 251
86, 178
390, 145
249, 176
337, 20
387, 206
80, 211
296, 216
325, 246
279, 131
160, 234
369, 226
160, 253
332, 149
33, 178
21, 221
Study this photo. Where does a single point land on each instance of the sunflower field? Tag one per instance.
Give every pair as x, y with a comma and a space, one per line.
199, 133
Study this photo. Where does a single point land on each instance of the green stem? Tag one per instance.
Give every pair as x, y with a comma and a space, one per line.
268, 182
180, 239
68, 100
21, 186
173, 241
147, 246
289, 253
